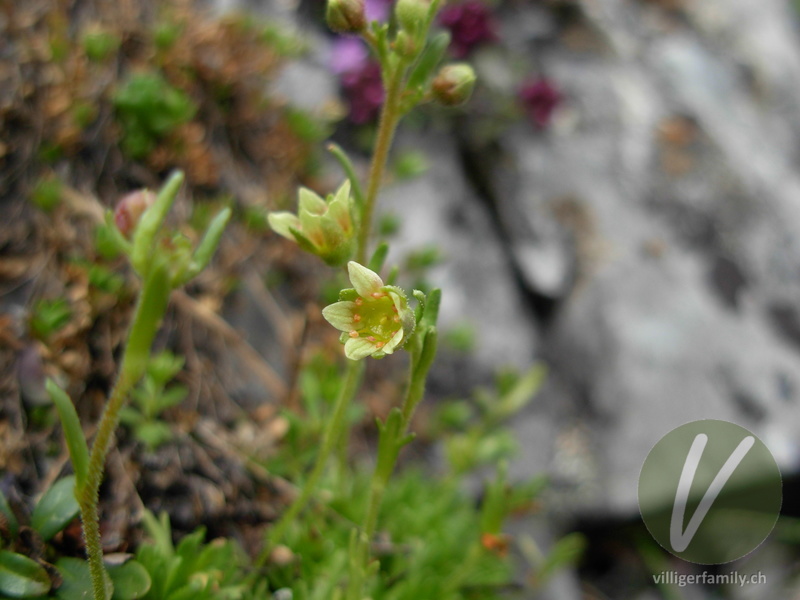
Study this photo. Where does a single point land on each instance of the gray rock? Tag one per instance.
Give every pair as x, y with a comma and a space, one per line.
683, 304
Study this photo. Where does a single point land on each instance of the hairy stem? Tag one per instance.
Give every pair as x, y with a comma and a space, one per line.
390, 116
150, 309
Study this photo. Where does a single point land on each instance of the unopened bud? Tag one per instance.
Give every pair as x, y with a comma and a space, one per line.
411, 14
346, 16
130, 209
404, 44
454, 84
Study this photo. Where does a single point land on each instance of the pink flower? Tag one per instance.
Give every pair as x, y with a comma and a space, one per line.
364, 92
540, 98
378, 10
360, 77
348, 54
470, 23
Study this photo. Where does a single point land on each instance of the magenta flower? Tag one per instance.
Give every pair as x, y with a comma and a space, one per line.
378, 10
348, 54
364, 92
540, 98
470, 24
360, 77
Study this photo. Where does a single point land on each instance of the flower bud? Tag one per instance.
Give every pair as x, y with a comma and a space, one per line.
346, 16
454, 84
130, 209
323, 227
404, 44
411, 14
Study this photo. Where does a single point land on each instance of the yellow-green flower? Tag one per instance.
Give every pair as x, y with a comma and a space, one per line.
322, 227
375, 318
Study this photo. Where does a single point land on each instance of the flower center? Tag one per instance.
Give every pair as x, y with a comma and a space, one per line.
377, 319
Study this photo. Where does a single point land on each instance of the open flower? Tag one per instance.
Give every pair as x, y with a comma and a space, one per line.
322, 227
375, 318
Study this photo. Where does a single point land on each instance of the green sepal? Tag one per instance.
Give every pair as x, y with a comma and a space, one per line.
73, 433
21, 577
145, 233
56, 508
420, 308
115, 238
348, 295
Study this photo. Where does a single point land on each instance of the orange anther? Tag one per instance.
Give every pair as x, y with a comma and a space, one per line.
356, 318
353, 334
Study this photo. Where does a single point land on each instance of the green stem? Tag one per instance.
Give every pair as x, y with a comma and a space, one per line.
390, 116
381, 475
150, 309
329, 441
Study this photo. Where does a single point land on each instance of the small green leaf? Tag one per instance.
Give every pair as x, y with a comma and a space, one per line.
131, 580
378, 257
21, 577
10, 519
347, 165
56, 508
77, 580
429, 60
153, 434
567, 551
76, 442
523, 392
208, 245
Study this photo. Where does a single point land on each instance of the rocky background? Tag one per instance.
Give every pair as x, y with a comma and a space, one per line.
641, 239
619, 202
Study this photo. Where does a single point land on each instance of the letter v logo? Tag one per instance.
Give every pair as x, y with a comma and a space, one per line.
710, 491
680, 540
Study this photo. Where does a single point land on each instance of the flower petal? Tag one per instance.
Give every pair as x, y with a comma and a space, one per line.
358, 348
311, 202
365, 281
283, 222
393, 343
340, 315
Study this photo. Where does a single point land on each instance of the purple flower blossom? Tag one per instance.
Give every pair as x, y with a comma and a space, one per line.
360, 77
540, 98
470, 23
348, 54
363, 89
378, 10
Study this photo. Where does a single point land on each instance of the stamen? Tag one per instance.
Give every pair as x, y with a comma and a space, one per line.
359, 301
377, 294
371, 338
379, 344
356, 318
353, 334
